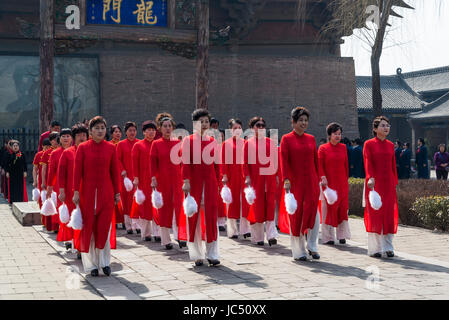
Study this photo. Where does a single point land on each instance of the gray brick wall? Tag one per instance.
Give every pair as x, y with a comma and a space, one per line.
136, 85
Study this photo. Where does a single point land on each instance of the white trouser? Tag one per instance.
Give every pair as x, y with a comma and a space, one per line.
97, 258
131, 223
145, 228
328, 232
232, 228
257, 231
298, 244
245, 226
196, 249
221, 221
165, 236
379, 243
175, 228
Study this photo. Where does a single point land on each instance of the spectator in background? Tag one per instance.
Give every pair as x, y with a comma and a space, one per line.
441, 160
357, 168
214, 123
405, 161
348, 144
54, 126
397, 154
322, 141
421, 160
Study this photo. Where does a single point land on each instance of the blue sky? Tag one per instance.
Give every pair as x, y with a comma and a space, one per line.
418, 41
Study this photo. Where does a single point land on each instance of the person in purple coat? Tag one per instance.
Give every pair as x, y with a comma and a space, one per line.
441, 160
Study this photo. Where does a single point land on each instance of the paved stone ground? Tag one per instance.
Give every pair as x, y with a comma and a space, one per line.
34, 266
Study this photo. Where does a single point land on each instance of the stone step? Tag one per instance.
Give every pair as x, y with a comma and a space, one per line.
27, 213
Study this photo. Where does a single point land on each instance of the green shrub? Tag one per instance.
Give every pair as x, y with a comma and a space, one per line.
432, 212
355, 196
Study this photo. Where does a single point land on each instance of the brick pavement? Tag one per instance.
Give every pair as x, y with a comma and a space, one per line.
34, 266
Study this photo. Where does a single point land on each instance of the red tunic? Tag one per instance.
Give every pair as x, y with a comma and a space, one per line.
232, 168
380, 164
299, 164
141, 169
118, 211
333, 164
124, 149
52, 181
169, 183
264, 184
202, 175
37, 162
97, 181
65, 181
51, 223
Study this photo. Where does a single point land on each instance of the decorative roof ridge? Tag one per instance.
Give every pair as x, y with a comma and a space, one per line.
420, 73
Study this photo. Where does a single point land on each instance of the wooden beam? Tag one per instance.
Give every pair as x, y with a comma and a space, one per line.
202, 58
132, 34
46, 54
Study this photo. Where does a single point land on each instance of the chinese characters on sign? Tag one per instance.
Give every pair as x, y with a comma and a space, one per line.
127, 12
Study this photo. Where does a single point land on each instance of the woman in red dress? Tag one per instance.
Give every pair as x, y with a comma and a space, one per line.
299, 166
65, 183
166, 178
201, 180
124, 149
381, 176
231, 167
116, 134
96, 188
262, 177
142, 181
51, 223
334, 172
37, 169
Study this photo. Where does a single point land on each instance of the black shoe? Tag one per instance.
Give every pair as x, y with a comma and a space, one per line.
390, 254
278, 229
157, 239
78, 255
342, 241
221, 228
56, 231
198, 263
247, 235
330, 242
129, 231
260, 243
68, 245
314, 255
169, 246
94, 273
272, 242
147, 238
377, 255
301, 259
213, 262
234, 237
107, 271
138, 231
182, 244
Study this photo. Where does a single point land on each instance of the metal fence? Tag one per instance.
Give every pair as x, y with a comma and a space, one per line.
28, 138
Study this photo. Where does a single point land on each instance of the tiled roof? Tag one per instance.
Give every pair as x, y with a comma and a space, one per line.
437, 109
436, 79
397, 96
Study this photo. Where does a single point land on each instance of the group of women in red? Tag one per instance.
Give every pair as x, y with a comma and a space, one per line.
118, 181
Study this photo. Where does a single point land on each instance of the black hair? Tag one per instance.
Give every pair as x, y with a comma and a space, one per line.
54, 135
377, 121
297, 112
232, 122
441, 145
407, 144
254, 120
54, 123
79, 128
149, 124
333, 127
180, 126
96, 120
399, 143
358, 141
130, 124
422, 141
213, 120
46, 142
115, 126
198, 113
65, 131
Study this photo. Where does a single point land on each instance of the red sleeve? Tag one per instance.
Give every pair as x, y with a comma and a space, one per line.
245, 167
120, 159
78, 169
135, 157
52, 167
367, 161
114, 172
284, 159
346, 162
395, 172
154, 160
315, 155
41, 140
186, 157
37, 158
321, 162
62, 171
